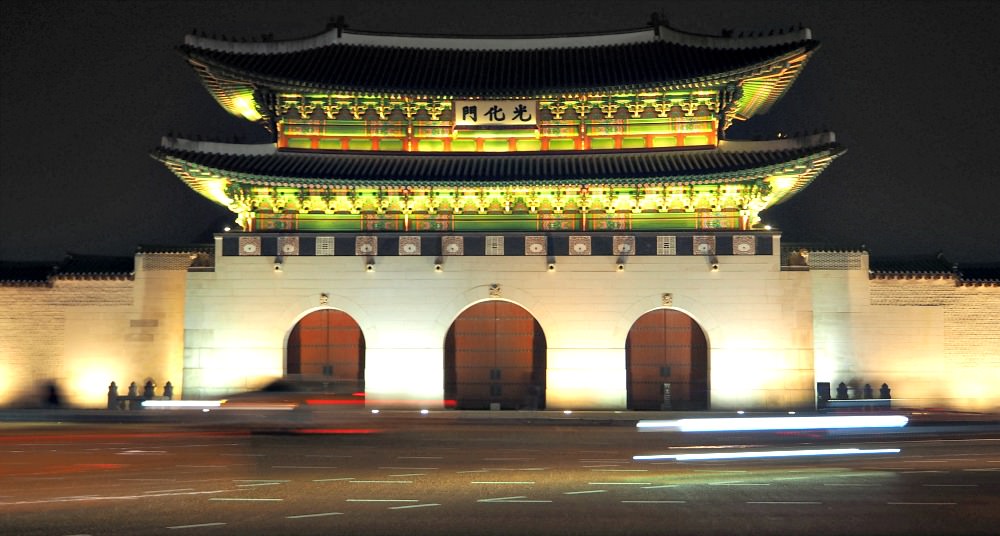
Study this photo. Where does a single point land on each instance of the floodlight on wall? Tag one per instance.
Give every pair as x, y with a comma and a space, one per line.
713, 263
278, 261
370, 266
620, 267
438, 265
552, 266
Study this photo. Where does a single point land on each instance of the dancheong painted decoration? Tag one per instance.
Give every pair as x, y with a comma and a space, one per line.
603, 132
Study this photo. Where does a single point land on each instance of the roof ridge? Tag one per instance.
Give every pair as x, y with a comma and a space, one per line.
338, 34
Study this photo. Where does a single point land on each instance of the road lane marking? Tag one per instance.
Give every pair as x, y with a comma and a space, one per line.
951, 485
419, 457
243, 499
661, 486
587, 491
409, 474
331, 479
500, 482
303, 467
916, 472
505, 459
198, 526
260, 480
473, 471
854, 485
784, 502
622, 470
383, 500
619, 483
258, 484
923, 503
602, 465
738, 483
413, 506
381, 481
655, 502
411, 468
169, 490
517, 499
324, 514
982, 470
793, 478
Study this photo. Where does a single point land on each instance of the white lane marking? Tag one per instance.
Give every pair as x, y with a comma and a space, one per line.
792, 478
258, 484
619, 483
519, 468
655, 502
413, 506
582, 492
303, 467
169, 490
324, 514
784, 502
419, 457
923, 503
915, 472
738, 483
602, 465
245, 455
854, 485
147, 479
251, 480
411, 468
200, 525
473, 471
981, 470
202, 466
383, 500
408, 474
499, 482
331, 479
661, 486
243, 499
951, 485
381, 481
328, 456
721, 471
505, 459
621, 470
517, 499
132, 452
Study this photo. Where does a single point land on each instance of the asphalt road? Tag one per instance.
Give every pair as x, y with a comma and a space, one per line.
412, 476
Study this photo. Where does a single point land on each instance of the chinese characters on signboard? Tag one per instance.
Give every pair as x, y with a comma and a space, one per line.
482, 113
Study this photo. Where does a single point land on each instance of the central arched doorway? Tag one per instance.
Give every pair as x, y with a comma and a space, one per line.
327, 345
495, 354
666, 360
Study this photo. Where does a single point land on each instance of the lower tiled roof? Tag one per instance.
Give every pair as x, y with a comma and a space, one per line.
266, 165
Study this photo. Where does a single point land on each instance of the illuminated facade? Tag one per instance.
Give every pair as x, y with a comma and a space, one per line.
518, 223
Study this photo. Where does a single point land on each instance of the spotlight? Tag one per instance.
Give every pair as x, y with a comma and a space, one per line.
620, 267
277, 263
438, 268
370, 267
715, 267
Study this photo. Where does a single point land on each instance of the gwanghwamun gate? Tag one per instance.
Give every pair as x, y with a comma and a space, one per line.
553, 222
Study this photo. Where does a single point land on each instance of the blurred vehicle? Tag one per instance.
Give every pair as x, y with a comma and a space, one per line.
288, 394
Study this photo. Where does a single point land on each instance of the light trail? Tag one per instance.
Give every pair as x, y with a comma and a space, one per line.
746, 424
762, 454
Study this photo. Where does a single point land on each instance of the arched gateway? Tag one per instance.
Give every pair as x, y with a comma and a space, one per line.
495, 354
327, 345
666, 359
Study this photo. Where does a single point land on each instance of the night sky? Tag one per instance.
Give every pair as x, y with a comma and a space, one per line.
88, 88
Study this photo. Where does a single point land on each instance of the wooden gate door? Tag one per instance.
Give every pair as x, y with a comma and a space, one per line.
327, 345
666, 347
495, 354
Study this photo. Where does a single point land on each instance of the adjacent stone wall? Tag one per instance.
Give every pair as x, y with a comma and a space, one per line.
936, 344
82, 333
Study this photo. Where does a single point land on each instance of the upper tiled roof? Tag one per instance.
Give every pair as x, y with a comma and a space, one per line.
82, 266
922, 266
349, 61
731, 162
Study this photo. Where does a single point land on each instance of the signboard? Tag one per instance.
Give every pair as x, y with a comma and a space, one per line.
495, 113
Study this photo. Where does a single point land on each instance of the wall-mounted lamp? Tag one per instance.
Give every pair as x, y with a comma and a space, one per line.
277, 263
370, 266
438, 265
620, 267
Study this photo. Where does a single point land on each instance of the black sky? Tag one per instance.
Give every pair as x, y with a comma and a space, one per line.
87, 88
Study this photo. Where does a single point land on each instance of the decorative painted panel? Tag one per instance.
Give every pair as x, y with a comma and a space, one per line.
579, 245
452, 245
744, 245
494, 245
249, 246
666, 245
704, 245
288, 245
365, 245
324, 245
624, 245
409, 245
535, 245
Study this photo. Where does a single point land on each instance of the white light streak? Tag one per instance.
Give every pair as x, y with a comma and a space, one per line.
763, 454
776, 423
181, 404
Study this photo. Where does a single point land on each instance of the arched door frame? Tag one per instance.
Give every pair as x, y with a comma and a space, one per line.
544, 365
304, 314
697, 324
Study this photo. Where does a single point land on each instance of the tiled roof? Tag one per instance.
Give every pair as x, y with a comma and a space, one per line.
492, 67
733, 161
919, 266
980, 273
25, 273
86, 266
